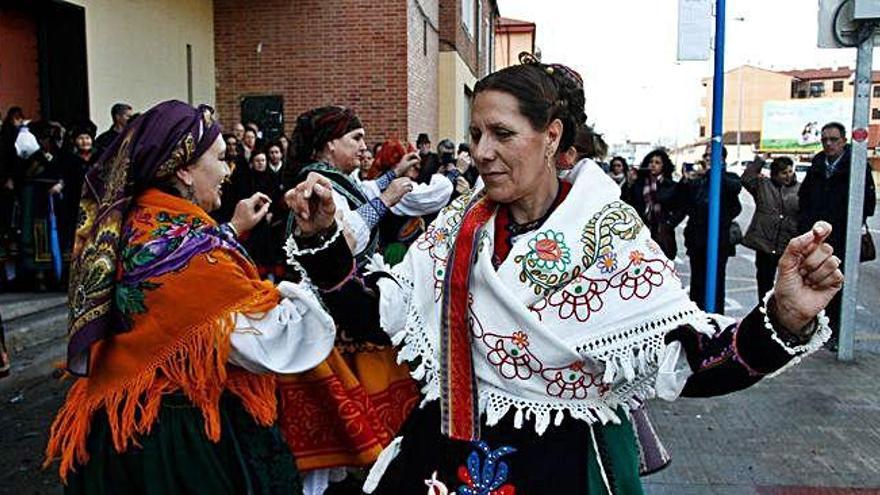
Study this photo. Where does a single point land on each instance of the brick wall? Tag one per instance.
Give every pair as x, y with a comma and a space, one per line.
316, 52
454, 36
423, 63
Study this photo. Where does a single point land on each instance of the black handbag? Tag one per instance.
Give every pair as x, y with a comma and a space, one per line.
868, 252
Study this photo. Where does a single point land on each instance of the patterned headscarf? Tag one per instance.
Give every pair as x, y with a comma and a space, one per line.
168, 137
318, 127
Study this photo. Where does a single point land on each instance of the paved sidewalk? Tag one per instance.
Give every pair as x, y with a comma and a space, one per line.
815, 429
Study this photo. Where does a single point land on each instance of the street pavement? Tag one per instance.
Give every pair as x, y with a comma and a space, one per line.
812, 430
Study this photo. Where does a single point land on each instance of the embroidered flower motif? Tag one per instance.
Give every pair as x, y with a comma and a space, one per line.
639, 280
570, 382
511, 356
636, 257
488, 477
580, 299
549, 252
608, 262
520, 339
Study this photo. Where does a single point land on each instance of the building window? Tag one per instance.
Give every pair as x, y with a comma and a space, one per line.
702, 131
838, 87
425, 38
467, 16
877, 91
875, 114
817, 89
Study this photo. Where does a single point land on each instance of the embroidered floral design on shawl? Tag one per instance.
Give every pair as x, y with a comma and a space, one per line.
586, 342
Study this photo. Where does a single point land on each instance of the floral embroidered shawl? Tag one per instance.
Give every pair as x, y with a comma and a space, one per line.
169, 136
180, 281
573, 320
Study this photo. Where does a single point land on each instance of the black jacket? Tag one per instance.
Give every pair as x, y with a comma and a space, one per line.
667, 194
694, 204
827, 198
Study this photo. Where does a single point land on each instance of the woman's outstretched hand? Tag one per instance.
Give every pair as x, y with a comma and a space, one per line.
249, 212
807, 278
312, 203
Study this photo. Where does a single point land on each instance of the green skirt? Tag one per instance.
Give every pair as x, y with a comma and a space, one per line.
177, 456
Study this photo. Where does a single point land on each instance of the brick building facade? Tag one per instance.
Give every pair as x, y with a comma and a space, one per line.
383, 60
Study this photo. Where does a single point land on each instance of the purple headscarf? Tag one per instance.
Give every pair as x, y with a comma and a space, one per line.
166, 138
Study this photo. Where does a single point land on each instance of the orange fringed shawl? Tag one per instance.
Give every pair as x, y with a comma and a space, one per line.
189, 281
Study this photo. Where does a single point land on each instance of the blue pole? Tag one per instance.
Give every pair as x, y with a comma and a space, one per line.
717, 168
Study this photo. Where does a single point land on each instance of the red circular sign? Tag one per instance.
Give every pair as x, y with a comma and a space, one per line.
860, 134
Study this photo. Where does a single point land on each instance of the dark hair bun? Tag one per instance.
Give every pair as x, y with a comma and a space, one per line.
544, 93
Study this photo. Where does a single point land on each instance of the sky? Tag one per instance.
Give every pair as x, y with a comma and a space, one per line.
626, 52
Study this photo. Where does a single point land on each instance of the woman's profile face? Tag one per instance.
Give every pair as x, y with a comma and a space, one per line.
509, 154
345, 152
208, 174
259, 162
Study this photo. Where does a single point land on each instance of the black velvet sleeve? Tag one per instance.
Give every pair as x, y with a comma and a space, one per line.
352, 300
733, 359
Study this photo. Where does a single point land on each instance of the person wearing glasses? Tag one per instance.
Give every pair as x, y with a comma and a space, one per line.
824, 195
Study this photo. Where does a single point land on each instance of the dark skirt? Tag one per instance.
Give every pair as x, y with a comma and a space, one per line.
510, 460
177, 456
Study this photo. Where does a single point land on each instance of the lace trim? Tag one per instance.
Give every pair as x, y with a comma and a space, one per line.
417, 348
293, 250
819, 338
620, 353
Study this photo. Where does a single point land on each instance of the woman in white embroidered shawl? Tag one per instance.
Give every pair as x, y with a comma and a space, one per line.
537, 312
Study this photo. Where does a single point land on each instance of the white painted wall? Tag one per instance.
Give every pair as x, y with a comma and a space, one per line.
136, 52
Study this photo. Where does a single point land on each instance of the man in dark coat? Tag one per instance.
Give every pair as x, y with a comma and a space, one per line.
824, 195
694, 204
120, 113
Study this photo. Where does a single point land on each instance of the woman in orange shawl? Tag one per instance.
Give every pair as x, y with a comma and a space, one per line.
172, 333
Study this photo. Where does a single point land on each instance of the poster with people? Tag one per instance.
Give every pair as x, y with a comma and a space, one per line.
794, 126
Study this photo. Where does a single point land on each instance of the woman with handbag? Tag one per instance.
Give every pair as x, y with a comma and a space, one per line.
653, 196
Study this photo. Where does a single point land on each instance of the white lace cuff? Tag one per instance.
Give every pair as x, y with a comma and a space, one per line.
817, 340
293, 250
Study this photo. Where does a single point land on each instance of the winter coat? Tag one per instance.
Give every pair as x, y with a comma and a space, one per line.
775, 221
827, 198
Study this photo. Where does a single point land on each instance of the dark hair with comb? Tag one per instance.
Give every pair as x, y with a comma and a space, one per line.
544, 93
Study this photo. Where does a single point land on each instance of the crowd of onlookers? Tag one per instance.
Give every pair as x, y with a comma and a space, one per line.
784, 208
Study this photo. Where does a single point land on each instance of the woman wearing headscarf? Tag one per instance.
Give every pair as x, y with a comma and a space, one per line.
345, 411
552, 312
173, 336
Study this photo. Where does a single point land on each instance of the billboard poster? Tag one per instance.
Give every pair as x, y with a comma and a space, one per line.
795, 126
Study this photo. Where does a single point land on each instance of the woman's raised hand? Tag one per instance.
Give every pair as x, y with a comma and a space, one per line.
398, 188
408, 161
807, 278
312, 203
249, 212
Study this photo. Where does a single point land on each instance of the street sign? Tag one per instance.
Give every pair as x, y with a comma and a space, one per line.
694, 29
828, 9
860, 135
